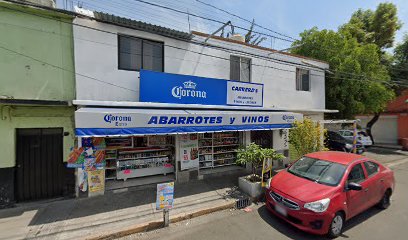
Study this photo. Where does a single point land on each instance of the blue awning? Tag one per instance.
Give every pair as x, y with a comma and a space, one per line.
133, 122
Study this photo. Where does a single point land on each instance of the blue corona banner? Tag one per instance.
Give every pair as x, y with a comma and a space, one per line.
184, 89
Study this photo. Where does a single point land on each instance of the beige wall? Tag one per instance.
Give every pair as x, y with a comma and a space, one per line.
12, 117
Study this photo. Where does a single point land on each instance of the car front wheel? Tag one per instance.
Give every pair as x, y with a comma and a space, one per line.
336, 226
385, 200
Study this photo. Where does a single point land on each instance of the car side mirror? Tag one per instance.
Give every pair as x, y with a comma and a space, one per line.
354, 186
287, 165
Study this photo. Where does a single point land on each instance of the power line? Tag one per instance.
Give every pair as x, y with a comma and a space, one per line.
64, 69
246, 20
208, 19
268, 59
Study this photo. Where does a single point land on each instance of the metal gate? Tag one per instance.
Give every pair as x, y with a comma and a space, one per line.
39, 168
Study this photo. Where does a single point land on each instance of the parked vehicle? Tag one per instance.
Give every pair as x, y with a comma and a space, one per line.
322, 190
362, 137
334, 141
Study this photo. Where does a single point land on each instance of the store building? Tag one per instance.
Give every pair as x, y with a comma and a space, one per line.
178, 105
36, 113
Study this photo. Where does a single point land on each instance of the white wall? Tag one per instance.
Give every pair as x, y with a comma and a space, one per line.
385, 130
96, 56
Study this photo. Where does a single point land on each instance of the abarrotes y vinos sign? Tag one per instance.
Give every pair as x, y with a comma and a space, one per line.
183, 89
105, 121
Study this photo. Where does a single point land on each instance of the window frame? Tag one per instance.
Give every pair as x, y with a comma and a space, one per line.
298, 69
240, 67
366, 169
364, 173
143, 40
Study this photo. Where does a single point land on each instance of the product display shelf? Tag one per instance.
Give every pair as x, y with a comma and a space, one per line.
221, 143
111, 155
144, 162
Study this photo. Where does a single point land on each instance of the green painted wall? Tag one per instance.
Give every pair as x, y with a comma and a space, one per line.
12, 117
31, 32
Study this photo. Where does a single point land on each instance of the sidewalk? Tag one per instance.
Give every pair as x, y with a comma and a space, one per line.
91, 218
388, 146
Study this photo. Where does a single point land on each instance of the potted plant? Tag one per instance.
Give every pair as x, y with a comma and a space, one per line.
255, 155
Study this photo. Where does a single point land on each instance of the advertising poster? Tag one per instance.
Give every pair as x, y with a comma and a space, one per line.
76, 158
82, 180
165, 196
189, 151
96, 181
266, 171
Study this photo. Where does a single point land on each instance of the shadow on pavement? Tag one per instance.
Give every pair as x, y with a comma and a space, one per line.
294, 233
60, 210
385, 151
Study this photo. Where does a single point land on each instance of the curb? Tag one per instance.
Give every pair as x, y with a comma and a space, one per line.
156, 224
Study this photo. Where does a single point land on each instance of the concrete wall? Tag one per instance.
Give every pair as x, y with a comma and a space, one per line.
46, 40
96, 55
14, 117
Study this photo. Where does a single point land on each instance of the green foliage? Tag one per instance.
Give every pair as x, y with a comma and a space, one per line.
306, 137
399, 67
255, 154
359, 82
377, 27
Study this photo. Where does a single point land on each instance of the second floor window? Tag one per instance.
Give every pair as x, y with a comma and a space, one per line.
240, 69
136, 53
302, 80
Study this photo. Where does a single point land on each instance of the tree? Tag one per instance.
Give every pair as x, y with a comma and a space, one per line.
399, 67
253, 154
377, 27
359, 83
306, 137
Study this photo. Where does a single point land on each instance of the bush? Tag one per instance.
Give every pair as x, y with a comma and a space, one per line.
254, 154
306, 137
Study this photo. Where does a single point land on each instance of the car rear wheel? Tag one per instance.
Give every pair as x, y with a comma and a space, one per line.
385, 200
336, 226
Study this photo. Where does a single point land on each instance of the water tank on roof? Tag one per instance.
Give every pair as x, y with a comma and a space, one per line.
45, 3
238, 37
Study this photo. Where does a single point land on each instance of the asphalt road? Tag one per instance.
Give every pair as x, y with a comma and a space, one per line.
260, 224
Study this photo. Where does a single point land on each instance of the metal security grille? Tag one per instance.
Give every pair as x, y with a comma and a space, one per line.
39, 169
242, 202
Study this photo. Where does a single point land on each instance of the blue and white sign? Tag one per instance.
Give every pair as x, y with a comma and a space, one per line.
183, 89
104, 121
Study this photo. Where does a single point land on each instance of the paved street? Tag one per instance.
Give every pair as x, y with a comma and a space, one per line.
259, 224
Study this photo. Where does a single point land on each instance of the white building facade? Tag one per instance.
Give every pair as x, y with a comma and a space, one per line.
109, 55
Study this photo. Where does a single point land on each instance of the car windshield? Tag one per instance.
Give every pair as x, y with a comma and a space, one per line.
319, 171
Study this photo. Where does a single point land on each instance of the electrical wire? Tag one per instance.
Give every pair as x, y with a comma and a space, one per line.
186, 49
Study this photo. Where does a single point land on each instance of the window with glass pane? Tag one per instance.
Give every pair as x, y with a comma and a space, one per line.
136, 54
356, 174
302, 80
371, 167
240, 69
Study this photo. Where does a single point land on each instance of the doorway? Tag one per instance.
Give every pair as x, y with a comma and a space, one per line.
263, 138
39, 164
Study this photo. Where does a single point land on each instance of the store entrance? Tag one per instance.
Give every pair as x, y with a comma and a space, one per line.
39, 165
264, 138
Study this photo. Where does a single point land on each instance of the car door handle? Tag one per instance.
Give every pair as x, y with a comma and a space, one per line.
381, 180
366, 190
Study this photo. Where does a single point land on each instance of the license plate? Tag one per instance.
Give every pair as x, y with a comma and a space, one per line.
281, 210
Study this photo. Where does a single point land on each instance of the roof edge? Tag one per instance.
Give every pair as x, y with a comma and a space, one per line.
254, 46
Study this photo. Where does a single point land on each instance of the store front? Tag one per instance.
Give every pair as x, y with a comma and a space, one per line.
140, 143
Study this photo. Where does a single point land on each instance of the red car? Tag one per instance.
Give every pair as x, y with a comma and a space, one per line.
322, 190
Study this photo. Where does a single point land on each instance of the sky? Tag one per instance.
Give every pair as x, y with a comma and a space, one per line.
287, 17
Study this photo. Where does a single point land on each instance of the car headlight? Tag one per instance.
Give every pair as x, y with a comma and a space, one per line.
348, 145
318, 206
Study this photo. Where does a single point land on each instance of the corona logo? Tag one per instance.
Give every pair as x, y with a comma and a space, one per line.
187, 90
